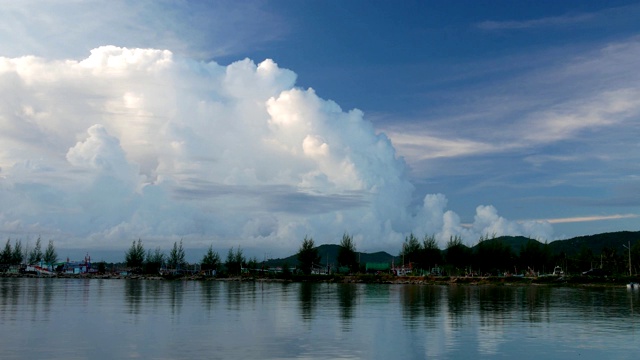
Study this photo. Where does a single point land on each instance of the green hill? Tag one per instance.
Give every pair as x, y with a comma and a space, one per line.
573, 246
570, 247
515, 242
329, 254
596, 243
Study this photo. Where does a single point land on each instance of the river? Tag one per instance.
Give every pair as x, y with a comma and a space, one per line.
152, 319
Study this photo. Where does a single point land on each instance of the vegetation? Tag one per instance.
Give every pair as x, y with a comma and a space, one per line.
286, 271
458, 256
177, 255
17, 253
308, 255
235, 261
210, 260
635, 254
36, 254
252, 264
535, 255
430, 255
347, 253
411, 250
6, 257
50, 254
134, 257
154, 261
490, 256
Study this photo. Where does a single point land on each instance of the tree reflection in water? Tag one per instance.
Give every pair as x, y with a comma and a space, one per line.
10, 291
47, 295
154, 292
307, 300
348, 296
210, 294
536, 303
176, 294
459, 304
495, 304
234, 295
133, 295
421, 301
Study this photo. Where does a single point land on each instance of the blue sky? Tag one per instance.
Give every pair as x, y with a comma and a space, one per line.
377, 118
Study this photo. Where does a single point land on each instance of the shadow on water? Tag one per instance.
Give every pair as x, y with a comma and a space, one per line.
308, 300
600, 303
634, 301
154, 293
459, 304
347, 298
535, 303
421, 302
150, 295
176, 296
39, 294
133, 290
47, 295
235, 295
210, 294
10, 290
493, 304
33, 297
304, 320
496, 304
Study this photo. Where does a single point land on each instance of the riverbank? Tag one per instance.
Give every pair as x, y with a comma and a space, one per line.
576, 280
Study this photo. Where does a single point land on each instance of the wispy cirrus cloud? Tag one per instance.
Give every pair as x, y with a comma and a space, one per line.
64, 28
418, 146
579, 219
568, 98
552, 21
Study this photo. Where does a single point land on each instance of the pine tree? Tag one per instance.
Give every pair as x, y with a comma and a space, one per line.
36, 254
210, 260
6, 256
308, 255
17, 257
347, 253
134, 257
50, 254
154, 261
234, 262
176, 256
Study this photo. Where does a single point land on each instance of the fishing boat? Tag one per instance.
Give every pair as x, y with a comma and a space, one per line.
39, 270
633, 286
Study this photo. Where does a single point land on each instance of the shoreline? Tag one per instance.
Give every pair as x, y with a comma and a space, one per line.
366, 279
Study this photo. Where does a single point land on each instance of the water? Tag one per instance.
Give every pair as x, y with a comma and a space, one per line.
117, 319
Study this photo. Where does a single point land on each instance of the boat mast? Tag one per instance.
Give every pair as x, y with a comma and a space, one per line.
629, 248
629, 258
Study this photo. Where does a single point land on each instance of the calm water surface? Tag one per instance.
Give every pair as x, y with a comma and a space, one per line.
116, 319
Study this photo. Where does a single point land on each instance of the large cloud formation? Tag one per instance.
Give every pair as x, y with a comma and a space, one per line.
137, 143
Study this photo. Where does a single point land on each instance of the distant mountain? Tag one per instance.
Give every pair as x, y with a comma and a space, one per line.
329, 254
571, 247
515, 242
596, 243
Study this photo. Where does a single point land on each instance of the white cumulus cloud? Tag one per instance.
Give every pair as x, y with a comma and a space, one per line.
140, 143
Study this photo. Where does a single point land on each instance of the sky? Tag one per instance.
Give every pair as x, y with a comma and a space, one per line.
257, 123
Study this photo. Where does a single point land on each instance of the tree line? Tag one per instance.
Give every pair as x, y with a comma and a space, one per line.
493, 256
152, 261
16, 255
490, 256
